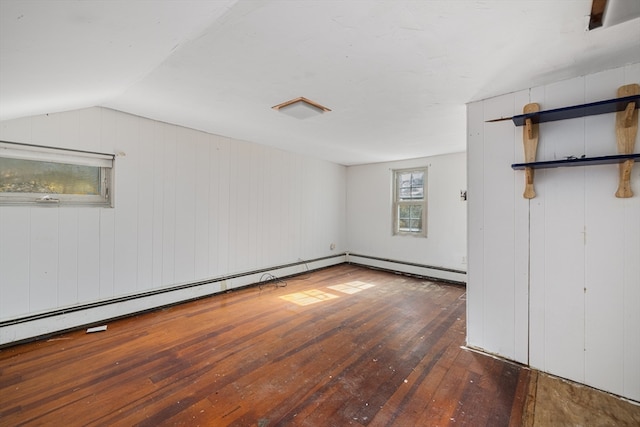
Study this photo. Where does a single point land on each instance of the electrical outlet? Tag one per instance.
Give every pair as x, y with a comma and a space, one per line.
464, 259
332, 246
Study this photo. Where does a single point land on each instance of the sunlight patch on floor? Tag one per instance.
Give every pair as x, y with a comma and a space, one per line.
351, 287
309, 297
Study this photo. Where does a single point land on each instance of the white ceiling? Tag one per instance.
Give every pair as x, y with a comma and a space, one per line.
396, 74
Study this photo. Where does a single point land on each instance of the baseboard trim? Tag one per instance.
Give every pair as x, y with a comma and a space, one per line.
42, 325
45, 324
443, 274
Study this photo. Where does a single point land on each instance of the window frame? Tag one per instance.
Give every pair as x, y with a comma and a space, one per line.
38, 153
397, 202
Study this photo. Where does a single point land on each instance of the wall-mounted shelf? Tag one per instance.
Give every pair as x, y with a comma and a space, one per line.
575, 111
601, 160
625, 106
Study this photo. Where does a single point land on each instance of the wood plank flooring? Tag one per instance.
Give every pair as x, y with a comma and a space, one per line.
337, 347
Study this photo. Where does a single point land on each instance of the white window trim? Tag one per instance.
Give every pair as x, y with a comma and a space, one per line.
14, 150
397, 203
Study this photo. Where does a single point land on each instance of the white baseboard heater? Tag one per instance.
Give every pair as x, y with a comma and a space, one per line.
442, 274
40, 325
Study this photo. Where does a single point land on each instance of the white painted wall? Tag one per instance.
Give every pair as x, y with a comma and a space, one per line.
555, 281
189, 206
369, 213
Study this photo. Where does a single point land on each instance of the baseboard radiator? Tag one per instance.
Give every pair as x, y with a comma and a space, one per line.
442, 274
42, 325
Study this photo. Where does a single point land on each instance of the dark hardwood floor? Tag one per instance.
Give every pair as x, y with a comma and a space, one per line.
377, 350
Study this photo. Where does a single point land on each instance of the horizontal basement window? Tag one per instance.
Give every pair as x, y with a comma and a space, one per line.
45, 176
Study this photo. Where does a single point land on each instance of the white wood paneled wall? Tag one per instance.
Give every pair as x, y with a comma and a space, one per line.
189, 206
369, 214
555, 281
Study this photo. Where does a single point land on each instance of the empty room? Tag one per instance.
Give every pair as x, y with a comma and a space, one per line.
319, 213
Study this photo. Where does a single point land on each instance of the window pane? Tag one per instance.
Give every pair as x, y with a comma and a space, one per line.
30, 176
410, 202
411, 185
404, 179
410, 217
406, 211
404, 186
417, 187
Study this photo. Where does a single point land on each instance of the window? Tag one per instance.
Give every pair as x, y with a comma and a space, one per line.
410, 202
31, 174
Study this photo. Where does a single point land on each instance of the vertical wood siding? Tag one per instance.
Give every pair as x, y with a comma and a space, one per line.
555, 281
188, 206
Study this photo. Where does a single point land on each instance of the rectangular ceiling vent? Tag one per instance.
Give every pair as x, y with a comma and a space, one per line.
301, 108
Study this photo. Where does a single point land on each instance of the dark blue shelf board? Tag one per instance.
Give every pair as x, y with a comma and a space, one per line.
602, 160
600, 107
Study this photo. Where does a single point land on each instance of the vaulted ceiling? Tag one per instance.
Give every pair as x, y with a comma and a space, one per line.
395, 74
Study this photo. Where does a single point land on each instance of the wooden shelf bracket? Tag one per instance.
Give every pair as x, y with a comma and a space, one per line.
626, 132
530, 142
